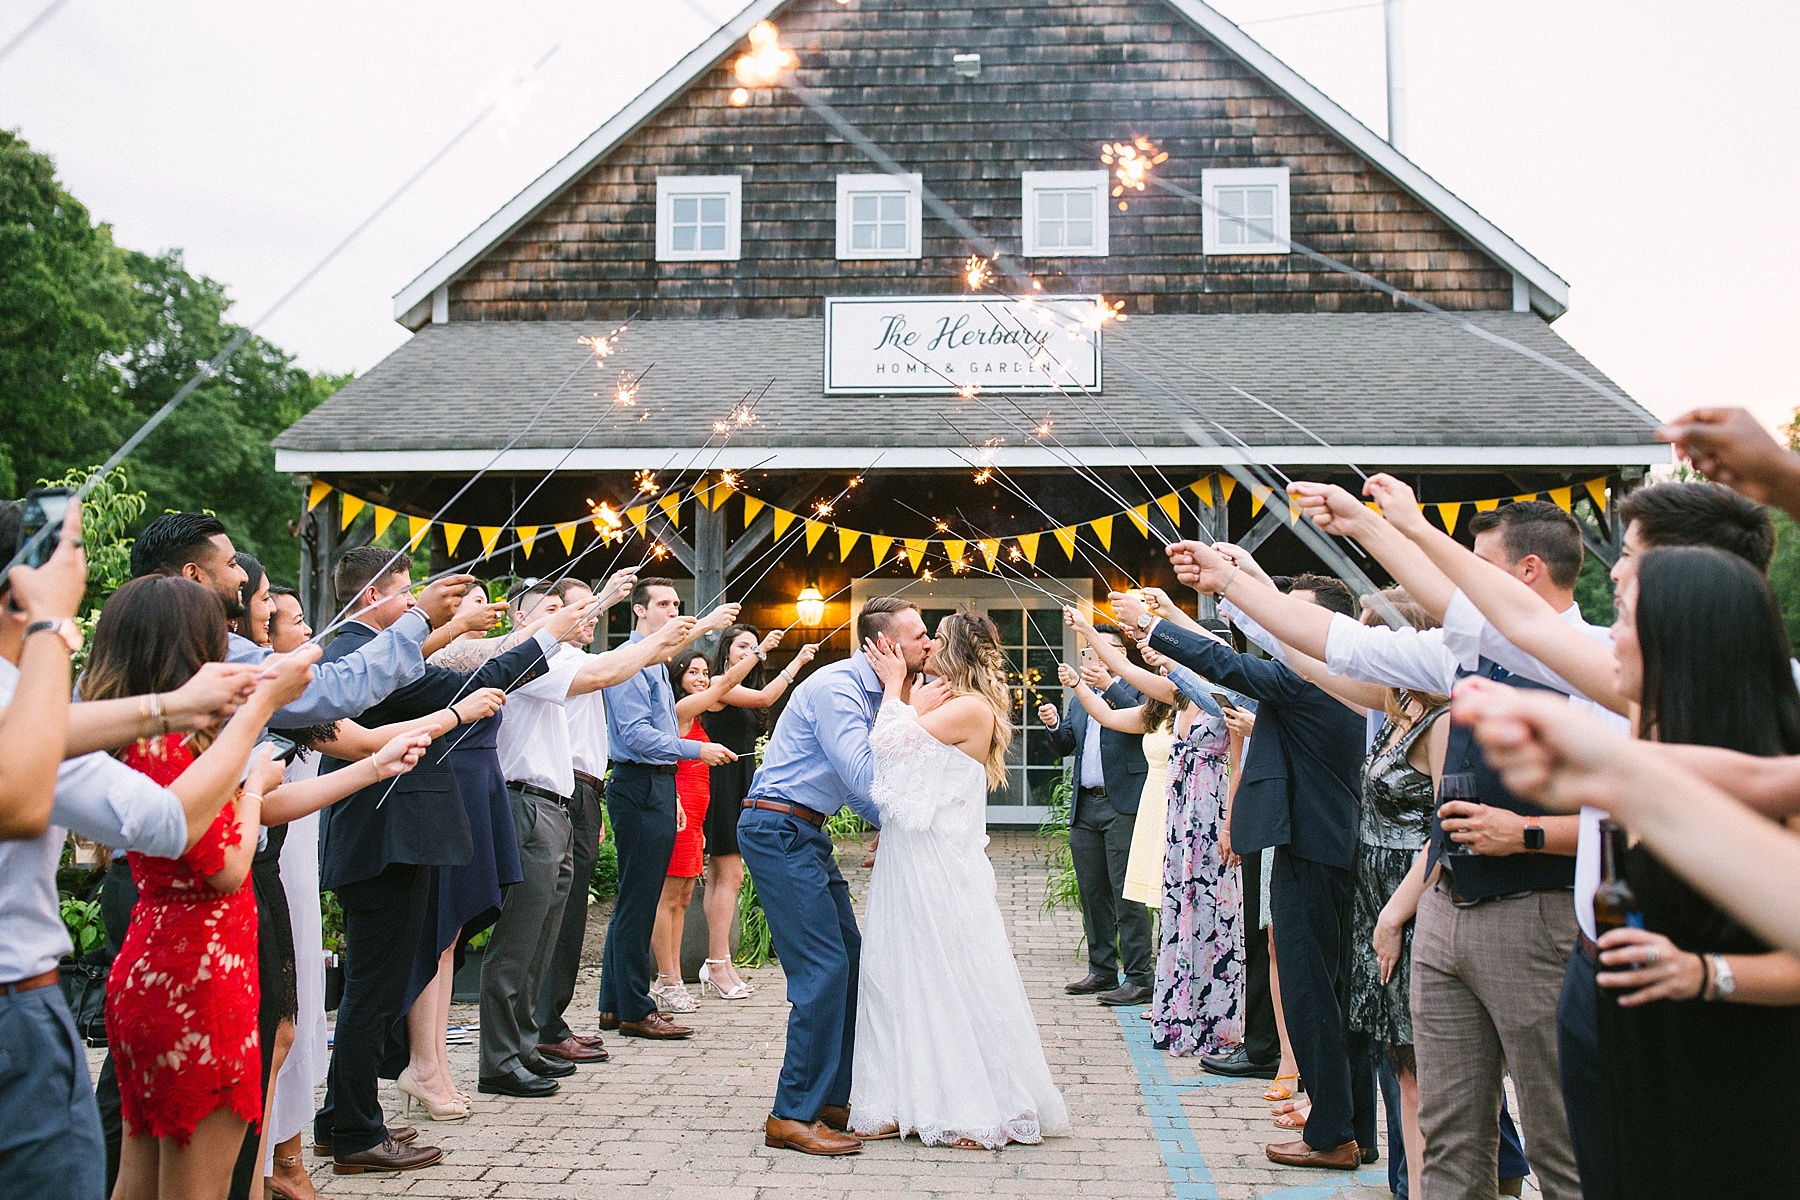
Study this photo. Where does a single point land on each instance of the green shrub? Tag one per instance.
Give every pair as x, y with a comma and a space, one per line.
605, 882
1060, 888
756, 945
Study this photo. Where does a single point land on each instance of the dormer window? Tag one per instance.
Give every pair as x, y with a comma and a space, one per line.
1244, 210
697, 217
878, 216
1064, 214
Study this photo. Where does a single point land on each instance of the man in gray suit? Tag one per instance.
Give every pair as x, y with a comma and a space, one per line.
1109, 779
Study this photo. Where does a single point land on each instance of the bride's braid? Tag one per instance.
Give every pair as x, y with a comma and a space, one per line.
971, 660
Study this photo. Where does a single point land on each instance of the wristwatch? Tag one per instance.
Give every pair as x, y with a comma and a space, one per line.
1534, 833
1724, 982
63, 627
1144, 619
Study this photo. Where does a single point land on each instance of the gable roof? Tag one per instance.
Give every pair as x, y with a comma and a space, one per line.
1549, 291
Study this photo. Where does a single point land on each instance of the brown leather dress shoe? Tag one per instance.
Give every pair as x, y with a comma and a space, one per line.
575, 1051
814, 1138
592, 1043
1346, 1157
389, 1156
609, 1021
654, 1026
837, 1116
396, 1133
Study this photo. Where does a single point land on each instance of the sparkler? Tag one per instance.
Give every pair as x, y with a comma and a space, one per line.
823, 508
602, 344
1131, 162
625, 394
977, 271
645, 482
969, 391
608, 523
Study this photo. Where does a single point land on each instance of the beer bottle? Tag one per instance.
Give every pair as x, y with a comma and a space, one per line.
1615, 904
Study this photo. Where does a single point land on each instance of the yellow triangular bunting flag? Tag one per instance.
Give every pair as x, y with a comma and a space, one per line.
720, 494
814, 531
1523, 498
527, 535
1562, 497
637, 516
752, 506
1486, 505
452, 535
1449, 513
1171, 506
671, 507
383, 518
1259, 496
1102, 528
1227, 485
990, 550
416, 529
783, 519
1293, 509
490, 537
317, 492
879, 546
566, 531
352, 506
847, 539
1066, 538
915, 551
1140, 516
1203, 489
703, 493
953, 549
1028, 542
1596, 490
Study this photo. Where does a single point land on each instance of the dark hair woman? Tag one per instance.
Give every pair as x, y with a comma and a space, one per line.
737, 721
1696, 1013
257, 600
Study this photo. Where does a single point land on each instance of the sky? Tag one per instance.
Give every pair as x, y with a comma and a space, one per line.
1648, 151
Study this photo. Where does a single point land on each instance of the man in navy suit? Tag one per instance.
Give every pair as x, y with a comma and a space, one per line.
1297, 796
1109, 780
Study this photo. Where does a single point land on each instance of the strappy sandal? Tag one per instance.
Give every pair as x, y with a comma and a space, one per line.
738, 991
1288, 1117
1276, 1092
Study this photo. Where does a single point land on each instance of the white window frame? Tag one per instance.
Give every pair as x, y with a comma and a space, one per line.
1032, 183
1227, 177
850, 186
669, 188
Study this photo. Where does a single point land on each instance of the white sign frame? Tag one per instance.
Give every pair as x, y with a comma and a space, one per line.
937, 345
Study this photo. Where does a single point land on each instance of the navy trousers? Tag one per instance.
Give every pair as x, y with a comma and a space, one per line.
1578, 1060
50, 1142
1310, 900
807, 904
641, 804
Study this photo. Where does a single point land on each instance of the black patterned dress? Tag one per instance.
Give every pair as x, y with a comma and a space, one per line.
1396, 817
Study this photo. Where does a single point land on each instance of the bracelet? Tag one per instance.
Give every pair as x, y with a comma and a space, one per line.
1706, 978
454, 716
785, 673
244, 795
1226, 586
159, 721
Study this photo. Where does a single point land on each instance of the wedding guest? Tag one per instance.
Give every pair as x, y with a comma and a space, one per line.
698, 691
1109, 772
736, 722
644, 740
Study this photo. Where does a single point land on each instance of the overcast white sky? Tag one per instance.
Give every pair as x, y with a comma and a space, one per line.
1648, 151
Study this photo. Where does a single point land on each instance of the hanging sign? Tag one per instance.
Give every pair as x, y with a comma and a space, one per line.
946, 344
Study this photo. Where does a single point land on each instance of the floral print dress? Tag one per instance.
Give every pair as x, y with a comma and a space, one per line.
1198, 1002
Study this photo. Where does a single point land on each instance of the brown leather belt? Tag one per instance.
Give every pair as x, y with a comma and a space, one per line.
47, 979
592, 781
815, 819
653, 768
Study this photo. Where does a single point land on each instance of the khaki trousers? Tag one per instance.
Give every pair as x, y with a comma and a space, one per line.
1485, 982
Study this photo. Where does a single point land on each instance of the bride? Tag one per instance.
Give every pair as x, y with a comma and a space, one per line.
946, 1046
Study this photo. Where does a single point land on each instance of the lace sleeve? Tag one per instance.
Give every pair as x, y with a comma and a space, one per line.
902, 792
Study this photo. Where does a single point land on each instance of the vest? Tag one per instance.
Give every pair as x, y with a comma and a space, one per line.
1480, 876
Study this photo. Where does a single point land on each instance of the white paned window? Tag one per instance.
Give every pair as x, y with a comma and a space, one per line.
1064, 214
1245, 210
878, 216
697, 217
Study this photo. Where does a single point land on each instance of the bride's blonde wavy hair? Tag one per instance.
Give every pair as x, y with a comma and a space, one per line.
969, 658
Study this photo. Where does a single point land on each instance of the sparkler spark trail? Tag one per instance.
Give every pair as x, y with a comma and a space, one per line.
1131, 162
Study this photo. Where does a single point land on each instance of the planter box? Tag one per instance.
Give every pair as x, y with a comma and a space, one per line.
465, 987
694, 934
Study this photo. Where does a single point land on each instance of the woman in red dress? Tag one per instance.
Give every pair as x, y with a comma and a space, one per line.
698, 690
181, 999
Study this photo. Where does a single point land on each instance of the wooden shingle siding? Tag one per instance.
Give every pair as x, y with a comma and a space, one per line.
1058, 79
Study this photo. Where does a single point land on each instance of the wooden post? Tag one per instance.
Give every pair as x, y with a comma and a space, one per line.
318, 556
709, 557
1215, 527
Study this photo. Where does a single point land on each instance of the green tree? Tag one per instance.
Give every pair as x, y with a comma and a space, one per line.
95, 338
1784, 571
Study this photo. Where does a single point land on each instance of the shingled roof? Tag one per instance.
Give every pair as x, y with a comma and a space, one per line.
1373, 388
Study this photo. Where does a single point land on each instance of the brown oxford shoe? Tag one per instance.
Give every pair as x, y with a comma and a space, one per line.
808, 1138
654, 1026
401, 1134
837, 1116
389, 1156
1346, 1157
609, 1021
592, 1043
575, 1050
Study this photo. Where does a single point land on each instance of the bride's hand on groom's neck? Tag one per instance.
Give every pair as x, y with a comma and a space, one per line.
888, 664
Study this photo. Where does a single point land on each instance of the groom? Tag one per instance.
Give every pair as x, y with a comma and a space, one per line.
817, 761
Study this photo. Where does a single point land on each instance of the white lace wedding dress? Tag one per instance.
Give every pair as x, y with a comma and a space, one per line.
946, 1045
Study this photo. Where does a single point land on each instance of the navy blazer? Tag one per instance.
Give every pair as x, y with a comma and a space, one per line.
1121, 754
1303, 773
418, 817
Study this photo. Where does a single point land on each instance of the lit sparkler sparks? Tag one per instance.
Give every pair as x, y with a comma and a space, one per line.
1017, 555
1103, 313
646, 483
732, 480
1042, 428
742, 415
984, 475
602, 344
768, 58
943, 526
926, 575
659, 551
823, 508
1131, 162
625, 394
855, 482
977, 271
969, 391
721, 426
608, 523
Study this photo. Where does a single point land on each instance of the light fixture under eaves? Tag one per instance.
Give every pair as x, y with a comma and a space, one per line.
966, 65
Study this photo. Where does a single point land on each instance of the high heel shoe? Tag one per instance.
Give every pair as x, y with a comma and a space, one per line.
1276, 1092
739, 991
673, 997
407, 1086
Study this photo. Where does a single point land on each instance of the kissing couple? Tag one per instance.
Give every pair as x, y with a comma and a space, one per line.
924, 1028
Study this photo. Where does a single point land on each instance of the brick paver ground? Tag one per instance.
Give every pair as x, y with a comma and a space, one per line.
684, 1119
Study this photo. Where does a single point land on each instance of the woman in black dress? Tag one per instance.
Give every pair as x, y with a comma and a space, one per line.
1695, 1012
737, 722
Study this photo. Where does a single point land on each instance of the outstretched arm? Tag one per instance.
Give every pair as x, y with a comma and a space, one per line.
1148, 682
695, 703
1337, 512
1125, 720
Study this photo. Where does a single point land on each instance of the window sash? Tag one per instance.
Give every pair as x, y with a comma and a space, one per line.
697, 222
1065, 219
878, 221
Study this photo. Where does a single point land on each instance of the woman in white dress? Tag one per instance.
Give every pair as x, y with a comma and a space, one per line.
946, 1044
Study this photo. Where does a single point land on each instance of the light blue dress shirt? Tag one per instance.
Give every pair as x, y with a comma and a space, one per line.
640, 719
347, 686
819, 754
1189, 683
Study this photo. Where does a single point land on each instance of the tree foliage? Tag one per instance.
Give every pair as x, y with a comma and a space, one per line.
94, 338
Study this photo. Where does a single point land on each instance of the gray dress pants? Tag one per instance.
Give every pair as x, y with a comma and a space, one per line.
1118, 930
518, 952
565, 957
